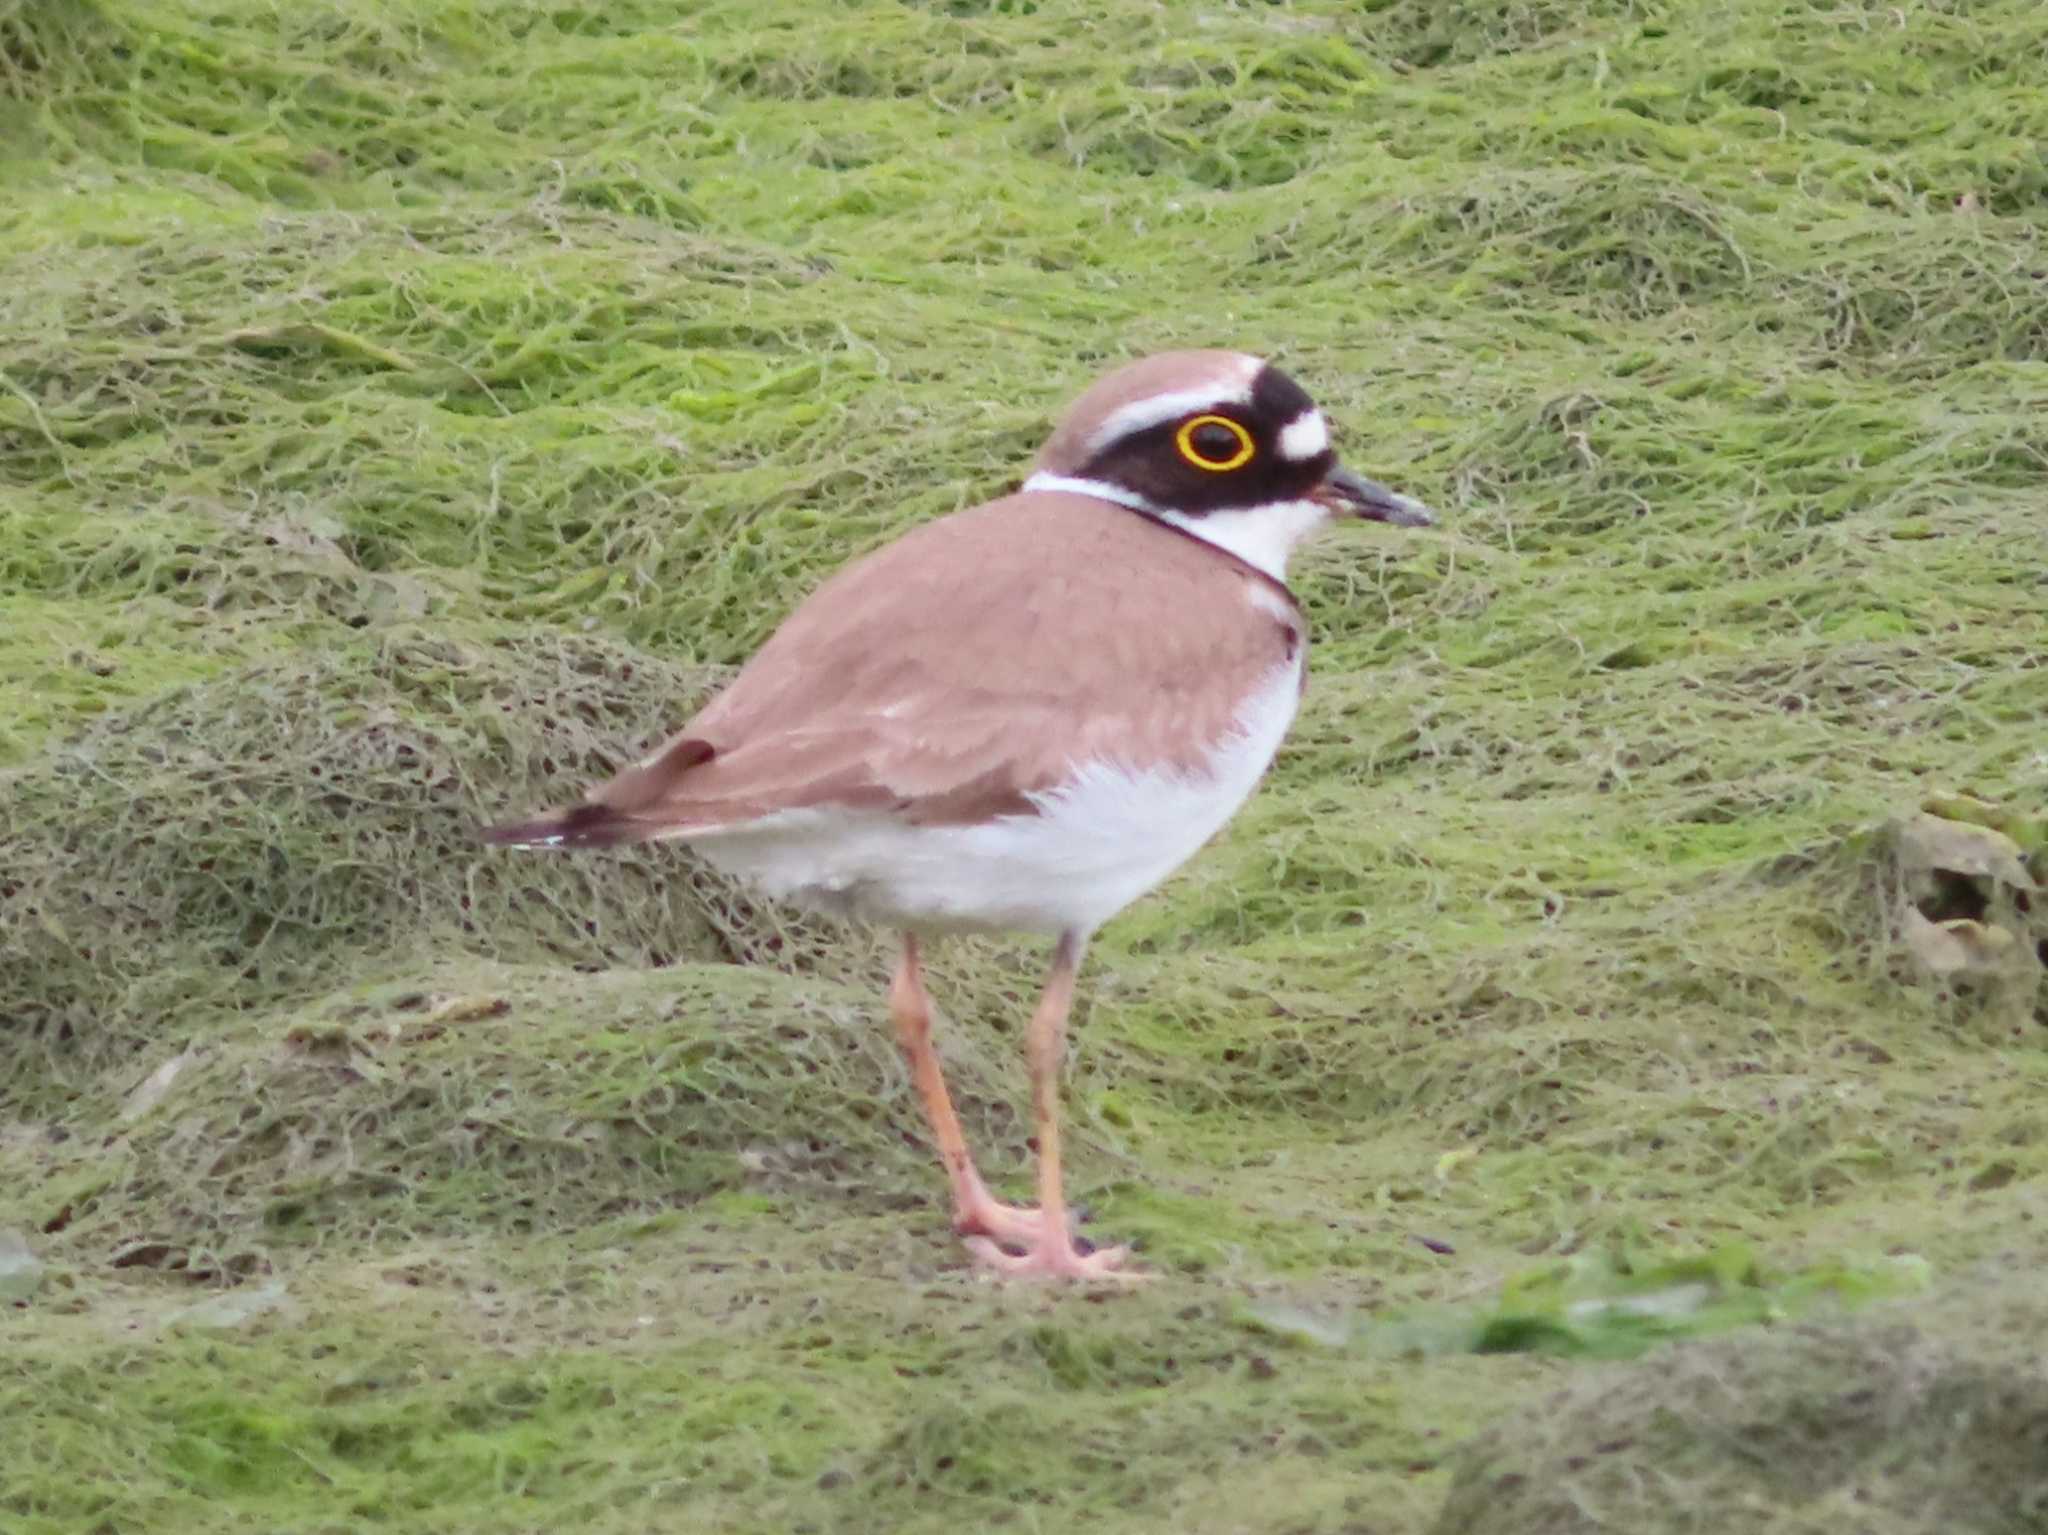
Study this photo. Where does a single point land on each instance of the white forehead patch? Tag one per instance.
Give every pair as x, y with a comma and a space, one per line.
1153, 409
1305, 437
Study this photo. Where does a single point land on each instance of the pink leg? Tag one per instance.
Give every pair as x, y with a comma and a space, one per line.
1049, 1252
976, 1212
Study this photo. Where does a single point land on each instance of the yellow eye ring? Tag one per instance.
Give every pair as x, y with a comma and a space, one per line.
1184, 439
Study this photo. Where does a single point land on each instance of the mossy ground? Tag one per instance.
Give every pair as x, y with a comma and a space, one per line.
408, 408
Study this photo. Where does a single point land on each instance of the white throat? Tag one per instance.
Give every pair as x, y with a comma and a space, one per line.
1262, 536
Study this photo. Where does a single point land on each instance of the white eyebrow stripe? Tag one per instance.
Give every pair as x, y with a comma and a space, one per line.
1305, 437
1140, 414
1174, 404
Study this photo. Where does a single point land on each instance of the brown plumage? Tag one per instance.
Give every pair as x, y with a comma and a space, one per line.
948, 676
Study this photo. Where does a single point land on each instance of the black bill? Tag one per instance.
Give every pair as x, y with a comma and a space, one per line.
1353, 494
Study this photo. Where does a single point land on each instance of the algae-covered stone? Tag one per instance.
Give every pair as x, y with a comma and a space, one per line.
21, 1271
1965, 902
233, 1308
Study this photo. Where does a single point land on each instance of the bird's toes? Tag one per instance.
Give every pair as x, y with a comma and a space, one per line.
1054, 1260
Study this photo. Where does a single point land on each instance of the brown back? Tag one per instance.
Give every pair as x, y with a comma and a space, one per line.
975, 661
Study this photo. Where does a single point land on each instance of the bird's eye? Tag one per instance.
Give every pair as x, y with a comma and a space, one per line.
1214, 442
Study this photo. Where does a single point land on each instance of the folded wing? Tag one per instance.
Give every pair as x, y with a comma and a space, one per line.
957, 673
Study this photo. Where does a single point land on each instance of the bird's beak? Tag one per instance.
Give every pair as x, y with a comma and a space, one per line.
1353, 495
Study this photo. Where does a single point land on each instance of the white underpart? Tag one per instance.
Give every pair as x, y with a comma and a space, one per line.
1306, 436
1113, 832
1261, 536
1140, 414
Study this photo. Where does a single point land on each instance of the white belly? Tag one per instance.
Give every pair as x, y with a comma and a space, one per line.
1094, 846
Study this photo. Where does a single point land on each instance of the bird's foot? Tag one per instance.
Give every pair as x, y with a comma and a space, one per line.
1056, 1259
1007, 1225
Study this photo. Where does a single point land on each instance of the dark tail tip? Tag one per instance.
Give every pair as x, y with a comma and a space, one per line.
582, 826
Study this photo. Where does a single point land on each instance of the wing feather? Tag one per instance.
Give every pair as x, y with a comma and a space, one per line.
970, 665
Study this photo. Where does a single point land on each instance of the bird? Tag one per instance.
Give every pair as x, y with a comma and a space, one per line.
1021, 717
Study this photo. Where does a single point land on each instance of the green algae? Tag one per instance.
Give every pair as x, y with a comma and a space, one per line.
407, 411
